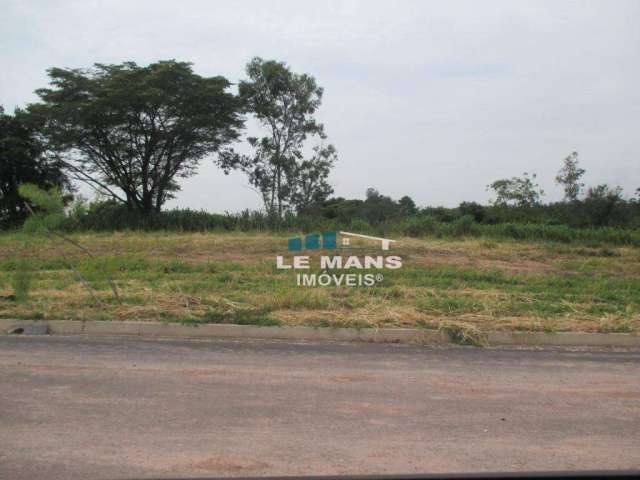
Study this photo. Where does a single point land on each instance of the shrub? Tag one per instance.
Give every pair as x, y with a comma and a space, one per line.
420, 226
359, 225
464, 226
477, 211
110, 216
48, 208
250, 220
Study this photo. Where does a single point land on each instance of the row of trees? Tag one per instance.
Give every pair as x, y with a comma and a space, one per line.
133, 132
525, 192
517, 199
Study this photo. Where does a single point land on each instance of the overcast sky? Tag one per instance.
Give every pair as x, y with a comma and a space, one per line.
429, 99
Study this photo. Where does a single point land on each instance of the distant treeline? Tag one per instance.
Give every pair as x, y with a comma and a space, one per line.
589, 220
134, 132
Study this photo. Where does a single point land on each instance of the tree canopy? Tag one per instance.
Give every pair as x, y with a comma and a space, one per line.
284, 103
569, 177
520, 191
22, 160
131, 131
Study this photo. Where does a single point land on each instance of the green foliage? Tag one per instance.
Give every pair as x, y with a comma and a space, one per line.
136, 129
604, 192
510, 222
521, 191
378, 208
420, 226
22, 160
284, 103
309, 179
112, 216
109, 216
49, 219
48, 208
602, 204
359, 225
569, 177
561, 233
464, 226
407, 206
477, 211
21, 282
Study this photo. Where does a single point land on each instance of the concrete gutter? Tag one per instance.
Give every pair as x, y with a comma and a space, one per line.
386, 335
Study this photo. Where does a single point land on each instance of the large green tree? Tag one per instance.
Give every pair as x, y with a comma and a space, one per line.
131, 132
22, 160
284, 104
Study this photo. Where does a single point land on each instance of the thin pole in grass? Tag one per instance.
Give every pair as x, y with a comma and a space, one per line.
70, 264
52, 233
112, 284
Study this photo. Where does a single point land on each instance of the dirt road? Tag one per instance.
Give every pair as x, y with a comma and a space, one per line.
79, 407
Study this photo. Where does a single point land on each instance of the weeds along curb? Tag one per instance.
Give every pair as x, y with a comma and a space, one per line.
387, 335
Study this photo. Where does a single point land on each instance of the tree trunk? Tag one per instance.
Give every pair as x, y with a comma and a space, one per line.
278, 191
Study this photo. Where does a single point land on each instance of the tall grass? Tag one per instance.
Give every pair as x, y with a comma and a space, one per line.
21, 283
111, 217
465, 226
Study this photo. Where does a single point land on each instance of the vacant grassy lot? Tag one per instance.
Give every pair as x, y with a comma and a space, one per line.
232, 278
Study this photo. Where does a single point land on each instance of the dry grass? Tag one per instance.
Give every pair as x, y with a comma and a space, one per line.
496, 285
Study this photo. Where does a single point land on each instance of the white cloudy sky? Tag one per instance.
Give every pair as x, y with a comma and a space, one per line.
430, 99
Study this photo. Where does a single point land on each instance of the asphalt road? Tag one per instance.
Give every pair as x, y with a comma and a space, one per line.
78, 407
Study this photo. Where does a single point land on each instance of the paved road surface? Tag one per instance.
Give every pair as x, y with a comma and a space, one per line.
78, 407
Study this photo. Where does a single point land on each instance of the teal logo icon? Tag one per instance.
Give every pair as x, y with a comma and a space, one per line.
329, 241
313, 241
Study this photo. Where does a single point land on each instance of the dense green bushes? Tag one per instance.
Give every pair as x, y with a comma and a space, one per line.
469, 220
561, 233
578, 214
467, 227
111, 216
443, 223
419, 226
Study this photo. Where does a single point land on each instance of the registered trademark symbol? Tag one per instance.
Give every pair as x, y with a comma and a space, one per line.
379, 277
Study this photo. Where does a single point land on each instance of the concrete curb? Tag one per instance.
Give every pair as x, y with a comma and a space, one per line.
386, 335
564, 339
